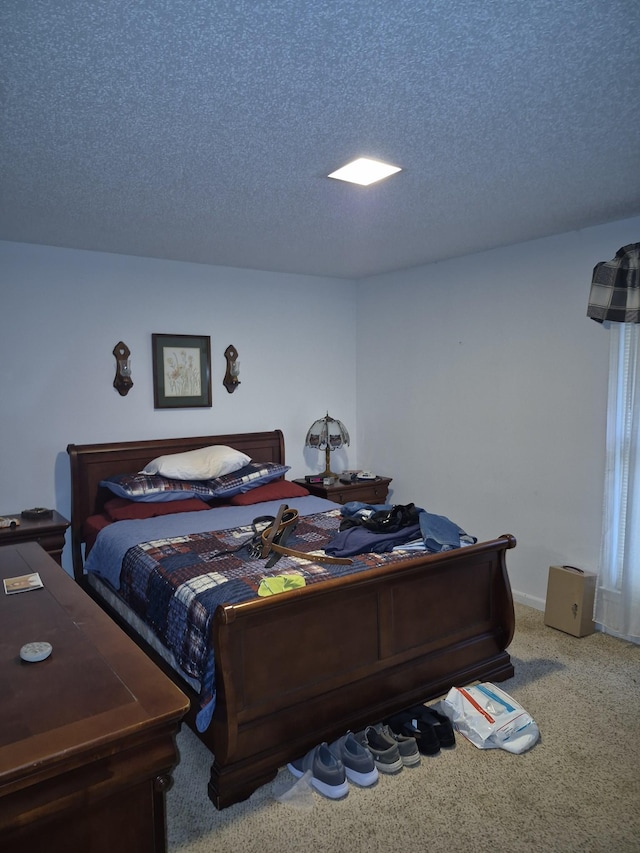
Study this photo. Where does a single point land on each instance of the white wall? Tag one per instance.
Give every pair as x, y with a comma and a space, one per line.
481, 384
63, 311
482, 390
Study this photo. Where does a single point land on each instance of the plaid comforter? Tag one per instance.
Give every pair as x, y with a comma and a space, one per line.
175, 585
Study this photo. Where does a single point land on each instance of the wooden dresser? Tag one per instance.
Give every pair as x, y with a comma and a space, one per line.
87, 736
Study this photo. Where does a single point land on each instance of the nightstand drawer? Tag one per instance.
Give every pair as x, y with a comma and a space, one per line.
365, 491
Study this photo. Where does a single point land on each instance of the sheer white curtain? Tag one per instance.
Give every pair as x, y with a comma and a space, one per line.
617, 608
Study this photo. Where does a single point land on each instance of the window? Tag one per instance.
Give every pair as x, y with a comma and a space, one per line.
617, 608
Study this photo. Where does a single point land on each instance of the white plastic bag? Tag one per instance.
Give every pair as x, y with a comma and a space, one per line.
299, 795
490, 718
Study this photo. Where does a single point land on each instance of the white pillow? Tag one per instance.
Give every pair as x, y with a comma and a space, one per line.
201, 464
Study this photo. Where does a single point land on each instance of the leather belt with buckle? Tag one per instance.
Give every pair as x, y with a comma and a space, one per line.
274, 537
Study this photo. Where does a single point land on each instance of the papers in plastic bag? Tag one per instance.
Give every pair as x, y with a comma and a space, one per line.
490, 718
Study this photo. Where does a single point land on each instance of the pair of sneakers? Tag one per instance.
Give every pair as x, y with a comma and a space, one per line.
334, 766
391, 750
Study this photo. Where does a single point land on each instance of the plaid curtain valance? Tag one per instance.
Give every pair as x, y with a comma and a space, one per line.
615, 288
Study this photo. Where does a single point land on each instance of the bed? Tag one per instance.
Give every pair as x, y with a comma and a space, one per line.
298, 668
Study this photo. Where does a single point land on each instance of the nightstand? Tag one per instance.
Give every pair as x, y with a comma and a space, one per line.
47, 532
366, 491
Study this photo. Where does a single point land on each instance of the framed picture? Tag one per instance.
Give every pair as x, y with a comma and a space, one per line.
181, 371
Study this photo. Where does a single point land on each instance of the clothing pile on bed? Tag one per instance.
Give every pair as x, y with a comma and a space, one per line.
380, 528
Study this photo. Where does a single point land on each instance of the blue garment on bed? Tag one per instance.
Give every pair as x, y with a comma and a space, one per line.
359, 540
437, 532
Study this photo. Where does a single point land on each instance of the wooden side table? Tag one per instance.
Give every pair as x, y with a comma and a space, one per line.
87, 741
367, 491
47, 532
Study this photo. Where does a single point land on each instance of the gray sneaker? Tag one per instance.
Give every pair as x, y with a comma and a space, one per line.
357, 760
383, 748
407, 745
328, 775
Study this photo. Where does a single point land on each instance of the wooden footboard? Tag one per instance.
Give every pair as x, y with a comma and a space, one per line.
297, 669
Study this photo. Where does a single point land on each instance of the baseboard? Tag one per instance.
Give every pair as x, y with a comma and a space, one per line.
528, 600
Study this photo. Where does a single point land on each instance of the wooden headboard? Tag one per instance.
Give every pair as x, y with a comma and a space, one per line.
91, 463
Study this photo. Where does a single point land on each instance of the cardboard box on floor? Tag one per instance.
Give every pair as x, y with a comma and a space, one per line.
570, 596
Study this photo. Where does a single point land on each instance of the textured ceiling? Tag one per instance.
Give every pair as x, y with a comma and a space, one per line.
202, 130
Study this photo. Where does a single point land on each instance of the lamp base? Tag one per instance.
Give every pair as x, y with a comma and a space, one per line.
326, 474
327, 470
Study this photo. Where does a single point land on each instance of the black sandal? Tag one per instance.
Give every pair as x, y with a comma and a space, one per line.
440, 723
424, 733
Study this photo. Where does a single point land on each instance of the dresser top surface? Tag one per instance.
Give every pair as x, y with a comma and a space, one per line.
95, 688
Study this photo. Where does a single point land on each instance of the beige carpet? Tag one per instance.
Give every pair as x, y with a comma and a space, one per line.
576, 790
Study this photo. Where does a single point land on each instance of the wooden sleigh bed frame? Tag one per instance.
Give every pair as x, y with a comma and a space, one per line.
296, 669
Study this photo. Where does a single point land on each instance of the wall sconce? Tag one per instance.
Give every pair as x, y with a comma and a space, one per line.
123, 381
231, 380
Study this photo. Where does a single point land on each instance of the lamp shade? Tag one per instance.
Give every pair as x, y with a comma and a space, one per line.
327, 434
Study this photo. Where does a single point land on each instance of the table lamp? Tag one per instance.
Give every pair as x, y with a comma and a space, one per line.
327, 434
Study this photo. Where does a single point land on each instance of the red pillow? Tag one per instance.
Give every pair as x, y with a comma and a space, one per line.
121, 509
276, 490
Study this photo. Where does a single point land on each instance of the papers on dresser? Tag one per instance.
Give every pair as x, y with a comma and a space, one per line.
22, 583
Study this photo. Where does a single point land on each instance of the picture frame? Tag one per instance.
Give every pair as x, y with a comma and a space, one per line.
181, 371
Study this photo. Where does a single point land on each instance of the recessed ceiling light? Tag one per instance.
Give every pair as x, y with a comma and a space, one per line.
364, 171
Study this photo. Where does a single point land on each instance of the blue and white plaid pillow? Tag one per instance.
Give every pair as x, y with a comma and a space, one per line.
247, 478
153, 488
